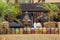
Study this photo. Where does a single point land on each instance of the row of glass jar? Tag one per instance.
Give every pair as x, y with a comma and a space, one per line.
32, 31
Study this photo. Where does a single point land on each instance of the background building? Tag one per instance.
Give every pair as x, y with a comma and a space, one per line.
52, 1
32, 1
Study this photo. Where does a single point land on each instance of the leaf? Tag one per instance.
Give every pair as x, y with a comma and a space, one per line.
9, 8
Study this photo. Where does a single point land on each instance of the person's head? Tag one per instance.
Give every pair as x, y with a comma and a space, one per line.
26, 17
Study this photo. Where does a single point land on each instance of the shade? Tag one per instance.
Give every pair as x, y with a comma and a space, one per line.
31, 7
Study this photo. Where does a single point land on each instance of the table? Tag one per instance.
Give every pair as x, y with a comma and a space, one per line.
30, 37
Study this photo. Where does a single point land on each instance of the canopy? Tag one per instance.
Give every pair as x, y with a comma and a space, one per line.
32, 7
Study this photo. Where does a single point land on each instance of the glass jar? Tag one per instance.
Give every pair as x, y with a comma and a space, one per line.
36, 30
32, 31
56, 31
52, 30
48, 31
13, 30
40, 30
28, 30
25, 31
44, 31
17, 30
21, 30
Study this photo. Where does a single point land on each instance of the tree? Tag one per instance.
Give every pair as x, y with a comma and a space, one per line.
11, 9
52, 8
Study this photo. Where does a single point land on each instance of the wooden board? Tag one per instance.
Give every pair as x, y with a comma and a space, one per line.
30, 37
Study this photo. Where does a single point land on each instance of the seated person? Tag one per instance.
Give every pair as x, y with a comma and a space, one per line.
26, 20
42, 18
37, 25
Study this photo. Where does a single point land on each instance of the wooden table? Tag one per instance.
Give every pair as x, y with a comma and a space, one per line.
30, 37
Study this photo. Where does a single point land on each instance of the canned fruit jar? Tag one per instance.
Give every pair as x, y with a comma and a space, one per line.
56, 31
32, 31
52, 30
28, 30
24, 30
40, 30
21, 30
48, 31
36, 30
44, 31
17, 31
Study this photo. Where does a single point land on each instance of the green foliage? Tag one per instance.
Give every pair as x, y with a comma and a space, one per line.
9, 8
52, 8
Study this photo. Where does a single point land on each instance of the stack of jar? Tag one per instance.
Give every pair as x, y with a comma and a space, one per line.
33, 31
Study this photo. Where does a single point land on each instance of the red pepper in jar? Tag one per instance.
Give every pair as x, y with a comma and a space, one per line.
32, 31
48, 31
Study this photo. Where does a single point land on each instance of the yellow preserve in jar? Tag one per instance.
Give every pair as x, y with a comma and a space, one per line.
17, 31
36, 30
28, 30
44, 30
40, 30
21, 30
